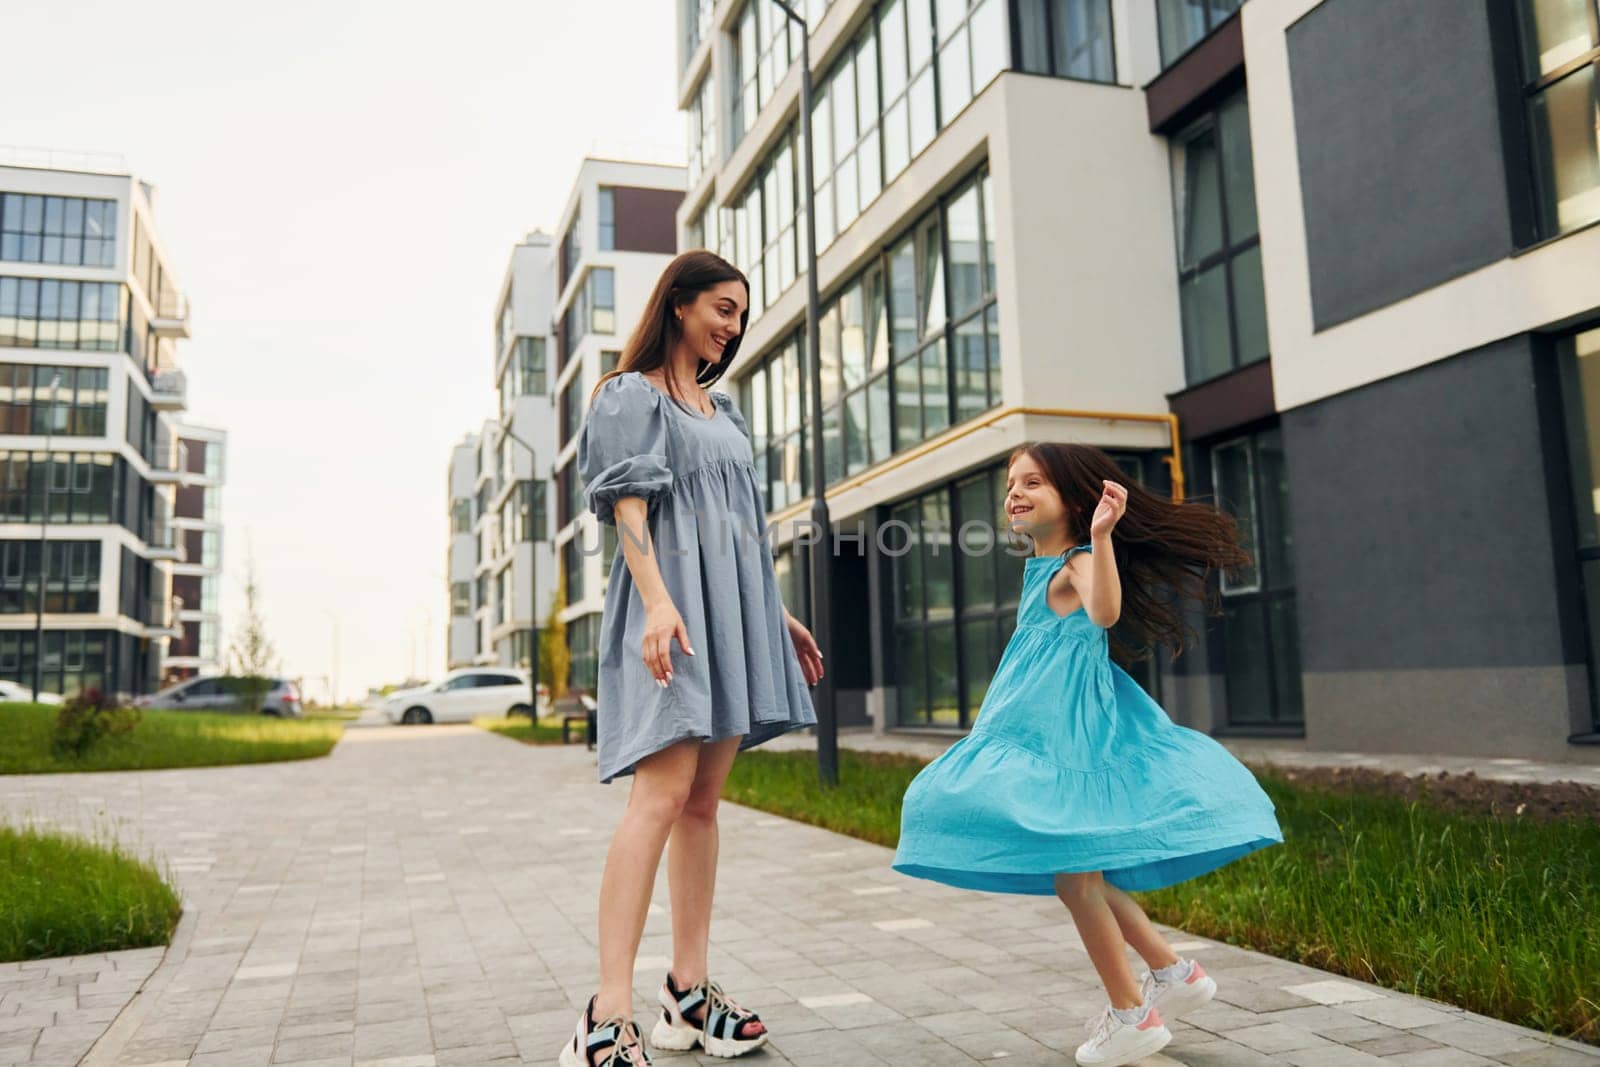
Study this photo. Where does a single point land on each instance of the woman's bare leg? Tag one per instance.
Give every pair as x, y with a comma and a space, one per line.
1137, 929
661, 787
1102, 938
692, 863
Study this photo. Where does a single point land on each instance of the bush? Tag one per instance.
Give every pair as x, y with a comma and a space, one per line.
88, 718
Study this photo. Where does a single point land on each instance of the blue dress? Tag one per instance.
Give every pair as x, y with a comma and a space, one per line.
1071, 767
708, 524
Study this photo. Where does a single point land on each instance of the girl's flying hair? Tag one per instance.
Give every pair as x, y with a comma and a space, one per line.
1165, 551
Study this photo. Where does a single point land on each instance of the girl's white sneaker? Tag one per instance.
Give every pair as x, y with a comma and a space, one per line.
1180, 996
1113, 1042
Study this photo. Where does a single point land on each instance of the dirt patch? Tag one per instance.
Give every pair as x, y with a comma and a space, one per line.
1464, 794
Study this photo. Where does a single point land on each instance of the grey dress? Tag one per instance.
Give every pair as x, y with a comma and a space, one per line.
708, 525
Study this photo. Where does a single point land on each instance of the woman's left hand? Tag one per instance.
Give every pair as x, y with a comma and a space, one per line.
1113, 502
805, 647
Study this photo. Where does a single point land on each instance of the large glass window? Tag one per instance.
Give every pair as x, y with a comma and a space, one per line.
73, 660
703, 152
58, 229
846, 131
955, 598
908, 347
1185, 23
52, 313
80, 400
583, 643
83, 487
1560, 58
1261, 643
461, 515
1067, 38
72, 580
460, 598
1222, 295
571, 249
696, 24
606, 224
761, 225
573, 563
1578, 360
771, 401
764, 44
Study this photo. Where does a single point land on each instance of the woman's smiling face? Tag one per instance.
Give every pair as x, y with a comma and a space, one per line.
713, 320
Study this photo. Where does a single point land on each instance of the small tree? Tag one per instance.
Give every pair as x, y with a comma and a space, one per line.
555, 659
252, 658
88, 718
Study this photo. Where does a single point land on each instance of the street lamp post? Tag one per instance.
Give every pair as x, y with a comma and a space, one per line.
533, 582
44, 547
333, 681
821, 555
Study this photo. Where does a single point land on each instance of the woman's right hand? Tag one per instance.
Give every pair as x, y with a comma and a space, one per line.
661, 624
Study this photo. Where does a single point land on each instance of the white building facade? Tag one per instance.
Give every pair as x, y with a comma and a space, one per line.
197, 578
91, 393
1133, 223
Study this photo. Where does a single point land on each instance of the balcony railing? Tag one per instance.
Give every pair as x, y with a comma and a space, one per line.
169, 390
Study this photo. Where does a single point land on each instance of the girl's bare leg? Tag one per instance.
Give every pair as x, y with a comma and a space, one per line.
661, 786
1137, 929
1101, 936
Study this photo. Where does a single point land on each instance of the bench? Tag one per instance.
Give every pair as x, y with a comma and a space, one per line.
581, 710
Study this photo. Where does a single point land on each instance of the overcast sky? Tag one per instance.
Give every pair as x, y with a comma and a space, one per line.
339, 185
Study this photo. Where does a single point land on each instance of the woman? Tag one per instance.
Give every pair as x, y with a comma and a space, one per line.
671, 466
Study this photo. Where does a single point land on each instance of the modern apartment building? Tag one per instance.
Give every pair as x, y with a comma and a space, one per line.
617, 233
1331, 264
463, 632
197, 578
91, 454
561, 317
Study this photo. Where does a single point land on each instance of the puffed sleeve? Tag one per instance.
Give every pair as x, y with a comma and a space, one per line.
622, 447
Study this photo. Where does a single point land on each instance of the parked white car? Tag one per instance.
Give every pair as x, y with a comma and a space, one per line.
17, 693
461, 696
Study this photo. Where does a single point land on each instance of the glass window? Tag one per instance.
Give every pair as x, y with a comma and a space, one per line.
1185, 23
59, 230
1578, 362
601, 286
55, 313
1067, 38
1561, 53
571, 249
1221, 291
703, 150
1260, 632
607, 222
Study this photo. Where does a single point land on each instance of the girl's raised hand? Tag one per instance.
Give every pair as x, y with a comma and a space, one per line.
1113, 502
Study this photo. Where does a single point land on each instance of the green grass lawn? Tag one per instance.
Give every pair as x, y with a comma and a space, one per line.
164, 739
1494, 914
65, 896
543, 732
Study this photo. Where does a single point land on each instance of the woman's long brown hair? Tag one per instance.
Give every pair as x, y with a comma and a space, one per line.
1165, 551
658, 330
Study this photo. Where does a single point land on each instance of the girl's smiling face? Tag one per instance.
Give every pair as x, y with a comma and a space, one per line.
1033, 506
713, 320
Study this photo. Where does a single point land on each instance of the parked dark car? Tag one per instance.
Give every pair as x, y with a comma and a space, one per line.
224, 693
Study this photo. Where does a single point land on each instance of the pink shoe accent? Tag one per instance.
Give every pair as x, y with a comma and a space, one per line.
1152, 1020
1195, 975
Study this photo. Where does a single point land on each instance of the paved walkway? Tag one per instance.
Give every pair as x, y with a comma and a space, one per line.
1258, 751
426, 896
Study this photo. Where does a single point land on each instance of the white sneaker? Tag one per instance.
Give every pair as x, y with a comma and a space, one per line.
1113, 1042
1180, 996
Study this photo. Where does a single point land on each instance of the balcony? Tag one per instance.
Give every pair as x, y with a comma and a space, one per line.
169, 391
170, 461
164, 617
171, 318
164, 543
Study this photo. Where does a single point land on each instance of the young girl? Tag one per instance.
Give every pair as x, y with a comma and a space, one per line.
669, 463
1073, 781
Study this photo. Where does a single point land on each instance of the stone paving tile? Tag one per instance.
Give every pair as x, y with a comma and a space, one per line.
388, 936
